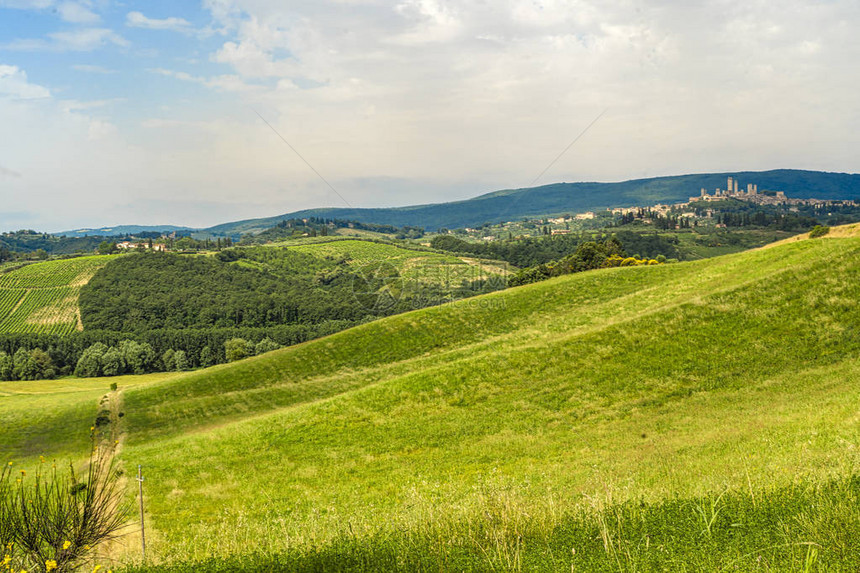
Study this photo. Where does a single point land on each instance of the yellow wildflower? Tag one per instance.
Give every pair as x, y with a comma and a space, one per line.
50, 565
23, 472
66, 545
7, 559
96, 568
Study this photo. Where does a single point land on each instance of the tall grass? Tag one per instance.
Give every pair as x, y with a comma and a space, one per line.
794, 528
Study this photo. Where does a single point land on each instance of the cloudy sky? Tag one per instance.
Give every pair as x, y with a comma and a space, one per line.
124, 111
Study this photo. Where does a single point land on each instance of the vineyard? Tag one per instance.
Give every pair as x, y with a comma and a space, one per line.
420, 266
43, 297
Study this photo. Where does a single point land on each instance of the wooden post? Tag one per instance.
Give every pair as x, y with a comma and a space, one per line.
140, 495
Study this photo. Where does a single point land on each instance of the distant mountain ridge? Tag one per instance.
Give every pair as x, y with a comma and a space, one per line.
558, 198
123, 230
553, 199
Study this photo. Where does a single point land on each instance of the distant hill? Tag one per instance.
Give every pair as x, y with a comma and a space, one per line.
558, 198
120, 230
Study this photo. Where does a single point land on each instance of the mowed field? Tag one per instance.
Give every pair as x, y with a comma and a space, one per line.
43, 297
700, 416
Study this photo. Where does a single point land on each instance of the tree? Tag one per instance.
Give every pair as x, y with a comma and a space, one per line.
112, 362
180, 361
207, 358
237, 349
266, 345
7, 367
107, 247
21, 366
138, 357
90, 363
40, 365
168, 361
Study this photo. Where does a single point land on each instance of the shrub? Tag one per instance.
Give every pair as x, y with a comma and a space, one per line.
818, 231
59, 516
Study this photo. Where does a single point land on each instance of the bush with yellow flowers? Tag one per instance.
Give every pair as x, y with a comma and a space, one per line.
52, 520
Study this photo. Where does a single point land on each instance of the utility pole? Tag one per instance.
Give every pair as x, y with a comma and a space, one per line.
140, 495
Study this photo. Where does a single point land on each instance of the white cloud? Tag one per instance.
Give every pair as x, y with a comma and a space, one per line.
77, 13
429, 100
75, 105
93, 69
78, 40
138, 20
99, 129
227, 82
446, 78
14, 84
26, 4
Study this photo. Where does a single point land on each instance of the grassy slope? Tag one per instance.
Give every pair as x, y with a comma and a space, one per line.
53, 417
738, 371
647, 382
43, 297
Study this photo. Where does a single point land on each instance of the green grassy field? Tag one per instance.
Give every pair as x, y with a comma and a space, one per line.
701, 416
43, 297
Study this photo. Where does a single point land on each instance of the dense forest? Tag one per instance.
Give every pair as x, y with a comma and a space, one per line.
146, 291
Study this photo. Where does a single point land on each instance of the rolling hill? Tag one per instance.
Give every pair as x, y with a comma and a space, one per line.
698, 416
558, 198
121, 230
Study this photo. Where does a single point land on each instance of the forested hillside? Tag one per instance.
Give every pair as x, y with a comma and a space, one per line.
558, 198
150, 311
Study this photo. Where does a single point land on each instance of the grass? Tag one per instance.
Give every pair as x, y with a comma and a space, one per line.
732, 531
53, 417
635, 415
43, 297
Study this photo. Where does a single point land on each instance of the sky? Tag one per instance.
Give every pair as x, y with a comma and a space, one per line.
198, 113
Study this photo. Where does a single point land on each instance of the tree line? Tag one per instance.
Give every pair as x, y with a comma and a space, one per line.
533, 251
323, 227
44, 356
588, 256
